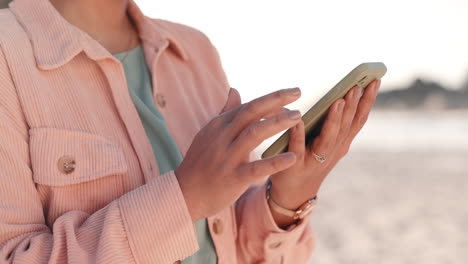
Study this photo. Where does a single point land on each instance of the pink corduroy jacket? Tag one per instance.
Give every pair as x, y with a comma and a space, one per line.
79, 182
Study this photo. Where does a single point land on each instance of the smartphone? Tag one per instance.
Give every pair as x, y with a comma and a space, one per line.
313, 119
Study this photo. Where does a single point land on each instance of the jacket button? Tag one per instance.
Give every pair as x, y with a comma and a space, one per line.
66, 164
160, 100
218, 227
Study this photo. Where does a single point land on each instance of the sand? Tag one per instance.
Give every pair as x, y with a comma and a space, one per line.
381, 207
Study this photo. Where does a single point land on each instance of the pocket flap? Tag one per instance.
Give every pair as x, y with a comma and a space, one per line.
89, 155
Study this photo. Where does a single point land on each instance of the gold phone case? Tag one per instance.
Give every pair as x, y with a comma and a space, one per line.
362, 75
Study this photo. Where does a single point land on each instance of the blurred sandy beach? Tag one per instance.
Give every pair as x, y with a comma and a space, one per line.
394, 208
393, 203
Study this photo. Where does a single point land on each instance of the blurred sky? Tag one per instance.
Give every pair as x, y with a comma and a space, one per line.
271, 44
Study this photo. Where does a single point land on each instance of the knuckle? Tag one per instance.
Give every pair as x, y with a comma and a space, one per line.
250, 108
276, 164
279, 118
283, 95
253, 169
252, 132
279, 94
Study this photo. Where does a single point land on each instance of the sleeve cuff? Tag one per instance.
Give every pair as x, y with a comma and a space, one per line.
157, 221
276, 238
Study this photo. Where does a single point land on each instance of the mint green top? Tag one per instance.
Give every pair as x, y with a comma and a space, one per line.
164, 147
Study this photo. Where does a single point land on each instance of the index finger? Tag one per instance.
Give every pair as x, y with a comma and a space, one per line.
243, 115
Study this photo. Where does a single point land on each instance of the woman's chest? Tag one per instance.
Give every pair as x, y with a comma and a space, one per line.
87, 143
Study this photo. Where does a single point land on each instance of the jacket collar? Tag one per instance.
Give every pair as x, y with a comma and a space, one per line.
55, 41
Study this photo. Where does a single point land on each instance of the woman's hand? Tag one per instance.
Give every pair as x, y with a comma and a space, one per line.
216, 169
301, 182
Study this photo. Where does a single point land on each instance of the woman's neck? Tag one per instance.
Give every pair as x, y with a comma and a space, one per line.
104, 20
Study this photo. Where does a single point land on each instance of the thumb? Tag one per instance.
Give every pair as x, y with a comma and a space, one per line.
233, 100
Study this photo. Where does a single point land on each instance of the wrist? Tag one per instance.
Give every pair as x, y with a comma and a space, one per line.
192, 206
283, 216
292, 198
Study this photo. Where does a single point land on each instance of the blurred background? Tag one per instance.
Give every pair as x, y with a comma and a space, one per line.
399, 196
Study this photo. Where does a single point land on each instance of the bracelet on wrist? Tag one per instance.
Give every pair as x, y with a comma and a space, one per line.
300, 213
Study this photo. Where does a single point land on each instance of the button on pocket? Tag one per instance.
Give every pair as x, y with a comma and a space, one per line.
61, 157
66, 164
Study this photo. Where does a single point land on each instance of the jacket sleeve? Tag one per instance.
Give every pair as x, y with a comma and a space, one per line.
150, 224
260, 240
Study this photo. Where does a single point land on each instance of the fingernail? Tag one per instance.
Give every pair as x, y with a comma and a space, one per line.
294, 115
341, 106
358, 93
377, 85
295, 91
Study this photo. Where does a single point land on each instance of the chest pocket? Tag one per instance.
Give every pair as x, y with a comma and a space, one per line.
61, 157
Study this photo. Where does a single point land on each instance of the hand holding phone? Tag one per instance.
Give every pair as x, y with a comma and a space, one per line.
313, 119
345, 117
